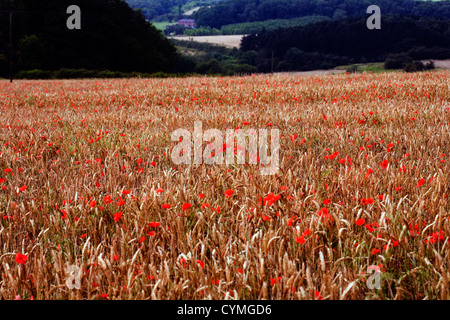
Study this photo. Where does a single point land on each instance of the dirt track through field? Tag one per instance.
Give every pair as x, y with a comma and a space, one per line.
441, 63
231, 41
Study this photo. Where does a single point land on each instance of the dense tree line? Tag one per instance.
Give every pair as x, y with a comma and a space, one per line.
154, 8
244, 28
268, 25
112, 37
328, 44
165, 10
238, 11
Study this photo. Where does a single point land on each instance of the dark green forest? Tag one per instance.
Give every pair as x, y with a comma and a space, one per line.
269, 25
160, 10
327, 44
117, 41
156, 8
238, 11
113, 37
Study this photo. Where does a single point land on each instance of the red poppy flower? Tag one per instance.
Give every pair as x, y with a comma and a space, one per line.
375, 251
324, 214
228, 193
126, 192
421, 182
186, 206
166, 206
154, 224
367, 201
360, 222
201, 264
21, 258
300, 239
117, 216
107, 199
22, 189
270, 199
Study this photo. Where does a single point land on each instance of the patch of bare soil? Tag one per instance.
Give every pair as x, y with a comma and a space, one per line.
445, 64
232, 41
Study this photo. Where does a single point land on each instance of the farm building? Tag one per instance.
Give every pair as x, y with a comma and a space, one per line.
190, 23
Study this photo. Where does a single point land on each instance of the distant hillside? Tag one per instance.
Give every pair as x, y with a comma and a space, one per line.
167, 10
328, 44
240, 11
112, 36
269, 25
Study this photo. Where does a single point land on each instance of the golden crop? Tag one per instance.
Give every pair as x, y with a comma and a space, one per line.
87, 180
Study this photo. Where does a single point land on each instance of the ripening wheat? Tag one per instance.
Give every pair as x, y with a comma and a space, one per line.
87, 180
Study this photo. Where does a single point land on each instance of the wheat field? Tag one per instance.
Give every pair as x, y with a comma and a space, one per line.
87, 180
230, 41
